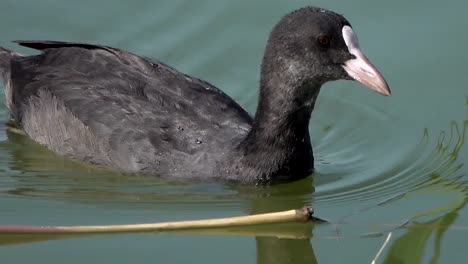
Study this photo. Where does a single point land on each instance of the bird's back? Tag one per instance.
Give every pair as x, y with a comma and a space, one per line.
111, 107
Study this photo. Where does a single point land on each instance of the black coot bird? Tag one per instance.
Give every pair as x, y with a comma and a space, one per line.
114, 108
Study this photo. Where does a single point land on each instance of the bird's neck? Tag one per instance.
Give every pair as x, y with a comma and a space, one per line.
278, 148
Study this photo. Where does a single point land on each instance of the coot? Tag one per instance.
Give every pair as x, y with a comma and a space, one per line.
114, 108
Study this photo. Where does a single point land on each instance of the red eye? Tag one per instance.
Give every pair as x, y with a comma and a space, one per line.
324, 41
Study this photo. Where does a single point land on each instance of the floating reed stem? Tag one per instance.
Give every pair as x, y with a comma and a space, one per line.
299, 215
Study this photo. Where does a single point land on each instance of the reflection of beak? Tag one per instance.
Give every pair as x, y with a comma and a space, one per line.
360, 68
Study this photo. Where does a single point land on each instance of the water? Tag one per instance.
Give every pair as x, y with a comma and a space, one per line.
381, 162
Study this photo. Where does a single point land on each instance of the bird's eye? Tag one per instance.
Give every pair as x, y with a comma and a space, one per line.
324, 41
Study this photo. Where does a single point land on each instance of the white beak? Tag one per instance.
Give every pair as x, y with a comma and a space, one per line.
360, 68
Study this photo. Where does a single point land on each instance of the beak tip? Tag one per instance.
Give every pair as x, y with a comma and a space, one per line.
386, 92
385, 89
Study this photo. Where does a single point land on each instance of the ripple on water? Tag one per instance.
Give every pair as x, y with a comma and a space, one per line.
378, 158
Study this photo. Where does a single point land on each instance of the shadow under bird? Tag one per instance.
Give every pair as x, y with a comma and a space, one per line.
117, 109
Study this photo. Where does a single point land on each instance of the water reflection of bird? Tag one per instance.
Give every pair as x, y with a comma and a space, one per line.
114, 108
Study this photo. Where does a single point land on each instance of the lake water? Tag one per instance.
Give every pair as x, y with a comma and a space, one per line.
382, 162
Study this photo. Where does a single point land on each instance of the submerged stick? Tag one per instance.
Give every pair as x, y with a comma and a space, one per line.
382, 248
299, 215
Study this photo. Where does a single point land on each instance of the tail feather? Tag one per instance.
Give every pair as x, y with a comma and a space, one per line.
5, 57
4, 63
